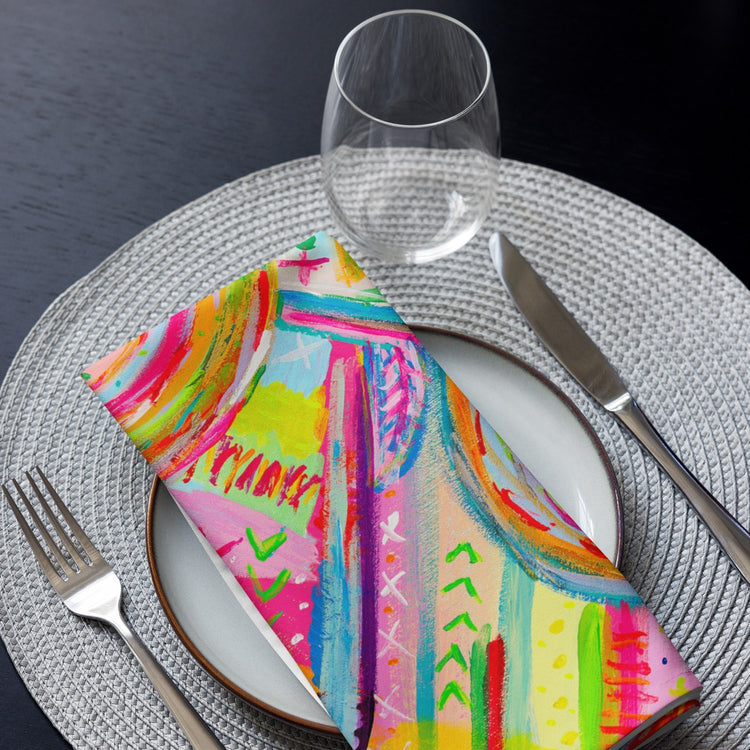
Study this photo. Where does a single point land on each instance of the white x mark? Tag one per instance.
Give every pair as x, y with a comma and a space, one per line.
388, 708
301, 352
390, 587
389, 529
391, 638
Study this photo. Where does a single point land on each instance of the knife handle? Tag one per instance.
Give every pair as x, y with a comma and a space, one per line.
731, 536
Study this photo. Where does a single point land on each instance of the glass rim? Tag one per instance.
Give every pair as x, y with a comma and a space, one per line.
452, 118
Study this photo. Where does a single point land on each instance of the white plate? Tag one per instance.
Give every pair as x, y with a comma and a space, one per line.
535, 418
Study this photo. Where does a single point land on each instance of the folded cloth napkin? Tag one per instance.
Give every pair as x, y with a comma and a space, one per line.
431, 591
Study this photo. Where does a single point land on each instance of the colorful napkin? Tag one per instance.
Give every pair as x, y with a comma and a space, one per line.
431, 591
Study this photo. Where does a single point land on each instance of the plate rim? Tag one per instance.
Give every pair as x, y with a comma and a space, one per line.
222, 679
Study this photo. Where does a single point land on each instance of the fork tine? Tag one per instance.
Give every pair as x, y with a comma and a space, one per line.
75, 528
86, 543
42, 528
46, 564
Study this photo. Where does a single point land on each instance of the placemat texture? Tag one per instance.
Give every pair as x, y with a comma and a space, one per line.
671, 318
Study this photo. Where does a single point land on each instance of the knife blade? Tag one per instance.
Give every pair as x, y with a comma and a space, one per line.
580, 356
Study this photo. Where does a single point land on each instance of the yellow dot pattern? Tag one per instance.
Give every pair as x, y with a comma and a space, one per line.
554, 623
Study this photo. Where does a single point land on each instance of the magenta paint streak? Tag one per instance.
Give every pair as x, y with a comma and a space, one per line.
228, 547
211, 432
345, 327
305, 266
159, 367
366, 523
630, 643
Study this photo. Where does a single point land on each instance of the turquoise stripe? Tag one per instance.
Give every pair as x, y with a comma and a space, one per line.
187, 411
515, 628
333, 632
367, 306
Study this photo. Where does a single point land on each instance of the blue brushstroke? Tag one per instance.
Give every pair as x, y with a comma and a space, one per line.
365, 307
514, 625
188, 410
332, 636
305, 373
405, 444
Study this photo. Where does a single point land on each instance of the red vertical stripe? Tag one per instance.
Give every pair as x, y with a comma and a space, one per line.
495, 680
478, 429
262, 295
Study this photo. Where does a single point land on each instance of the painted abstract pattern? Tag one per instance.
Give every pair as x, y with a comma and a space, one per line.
429, 588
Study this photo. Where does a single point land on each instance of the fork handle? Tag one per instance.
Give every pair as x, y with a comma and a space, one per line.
195, 729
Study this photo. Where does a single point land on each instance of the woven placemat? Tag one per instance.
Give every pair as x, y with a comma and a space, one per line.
668, 314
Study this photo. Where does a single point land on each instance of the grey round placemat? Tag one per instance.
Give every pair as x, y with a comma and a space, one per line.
669, 315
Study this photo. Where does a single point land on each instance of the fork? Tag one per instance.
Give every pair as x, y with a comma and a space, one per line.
90, 588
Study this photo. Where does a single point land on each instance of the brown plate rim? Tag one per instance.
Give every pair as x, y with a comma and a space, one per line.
196, 653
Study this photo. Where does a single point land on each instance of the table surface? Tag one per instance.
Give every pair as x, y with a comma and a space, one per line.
115, 114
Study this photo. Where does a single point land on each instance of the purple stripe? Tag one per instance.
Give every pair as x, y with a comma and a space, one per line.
367, 552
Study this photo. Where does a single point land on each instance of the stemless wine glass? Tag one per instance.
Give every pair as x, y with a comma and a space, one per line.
410, 141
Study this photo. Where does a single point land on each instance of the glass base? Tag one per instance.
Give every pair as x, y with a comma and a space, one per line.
399, 254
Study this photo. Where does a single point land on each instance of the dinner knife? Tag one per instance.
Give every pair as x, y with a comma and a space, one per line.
572, 347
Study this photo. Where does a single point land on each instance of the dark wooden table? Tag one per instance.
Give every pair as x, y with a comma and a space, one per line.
113, 114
